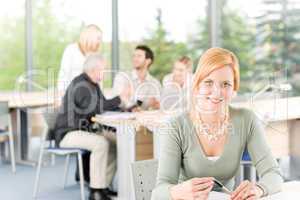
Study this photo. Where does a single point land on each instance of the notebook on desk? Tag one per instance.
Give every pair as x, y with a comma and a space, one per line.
290, 191
278, 196
117, 115
218, 196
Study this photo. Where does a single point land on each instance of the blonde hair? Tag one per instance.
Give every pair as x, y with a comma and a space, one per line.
213, 59
90, 39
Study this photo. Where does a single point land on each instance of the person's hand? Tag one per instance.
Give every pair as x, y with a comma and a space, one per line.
153, 103
247, 191
136, 109
193, 189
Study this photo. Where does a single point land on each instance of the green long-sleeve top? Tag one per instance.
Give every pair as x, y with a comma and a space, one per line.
182, 158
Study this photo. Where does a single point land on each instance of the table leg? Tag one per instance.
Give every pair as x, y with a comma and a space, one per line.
23, 138
125, 156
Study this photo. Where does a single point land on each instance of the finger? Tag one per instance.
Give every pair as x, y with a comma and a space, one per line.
196, 181
203, 192
202, 186
244, 193
250, 193
241, 187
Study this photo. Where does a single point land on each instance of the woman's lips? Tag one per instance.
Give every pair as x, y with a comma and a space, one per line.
215, 101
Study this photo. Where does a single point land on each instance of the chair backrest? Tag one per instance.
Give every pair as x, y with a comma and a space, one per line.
144, 177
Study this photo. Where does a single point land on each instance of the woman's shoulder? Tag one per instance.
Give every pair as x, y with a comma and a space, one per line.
72, 48
241, 113
180, 122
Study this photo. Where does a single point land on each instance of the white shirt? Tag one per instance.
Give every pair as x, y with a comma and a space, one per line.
71, 66
142, 90
173, 95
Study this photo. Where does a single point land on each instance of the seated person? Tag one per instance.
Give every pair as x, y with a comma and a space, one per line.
207, 142
74, 128
176, 84
144, 87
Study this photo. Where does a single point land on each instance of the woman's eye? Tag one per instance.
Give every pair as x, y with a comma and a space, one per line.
225, 85
208, 83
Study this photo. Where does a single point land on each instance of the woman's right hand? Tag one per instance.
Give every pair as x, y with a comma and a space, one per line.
193, 189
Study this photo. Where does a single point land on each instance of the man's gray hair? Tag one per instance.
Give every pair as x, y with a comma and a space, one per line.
91, 61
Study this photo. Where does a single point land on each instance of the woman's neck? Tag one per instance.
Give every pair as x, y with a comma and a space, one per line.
214, 118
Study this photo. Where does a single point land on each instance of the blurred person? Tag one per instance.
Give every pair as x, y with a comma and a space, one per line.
176, 85
74, 127
206, 143
75, 54
145, 89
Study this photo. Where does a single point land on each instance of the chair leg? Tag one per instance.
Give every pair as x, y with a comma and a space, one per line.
81, 178
12, 153
242, 173
66, 170
253, 173
52, 159
38, 172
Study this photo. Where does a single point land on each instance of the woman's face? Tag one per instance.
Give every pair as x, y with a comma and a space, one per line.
93, 40
215, 91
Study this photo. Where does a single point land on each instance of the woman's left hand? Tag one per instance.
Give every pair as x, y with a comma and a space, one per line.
246, 191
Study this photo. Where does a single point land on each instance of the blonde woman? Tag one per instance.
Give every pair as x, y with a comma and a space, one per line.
75, 54
206, 143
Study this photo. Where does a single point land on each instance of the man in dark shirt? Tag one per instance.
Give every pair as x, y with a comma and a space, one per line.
74, 128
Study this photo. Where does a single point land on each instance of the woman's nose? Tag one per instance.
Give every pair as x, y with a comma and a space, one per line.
216, 91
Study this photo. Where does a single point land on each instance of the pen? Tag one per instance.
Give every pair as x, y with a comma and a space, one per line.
226, 190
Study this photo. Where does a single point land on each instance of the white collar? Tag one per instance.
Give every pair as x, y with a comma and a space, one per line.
135, 75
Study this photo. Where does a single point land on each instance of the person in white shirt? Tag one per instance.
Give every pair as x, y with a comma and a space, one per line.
75, 54
176, 84
144, 87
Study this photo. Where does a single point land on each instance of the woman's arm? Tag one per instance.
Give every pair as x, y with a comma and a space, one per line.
169, 161
262, 158
64, 71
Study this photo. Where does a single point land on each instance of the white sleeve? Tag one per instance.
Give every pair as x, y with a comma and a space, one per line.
65, 70
120, 81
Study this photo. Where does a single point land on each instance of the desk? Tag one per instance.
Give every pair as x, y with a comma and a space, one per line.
19, 103
290, 191
286, 110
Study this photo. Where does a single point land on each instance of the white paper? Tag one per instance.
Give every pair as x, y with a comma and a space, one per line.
285, 195
218, 196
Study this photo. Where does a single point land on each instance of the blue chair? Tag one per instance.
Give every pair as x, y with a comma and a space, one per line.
47, 146
246, 161
7, 131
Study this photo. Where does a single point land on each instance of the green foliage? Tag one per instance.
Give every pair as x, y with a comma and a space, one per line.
237, 36
165, 50
48, 45
278, 36
12, 57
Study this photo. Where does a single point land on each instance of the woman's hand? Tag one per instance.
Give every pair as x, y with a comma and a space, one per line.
193, 189
247, 191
